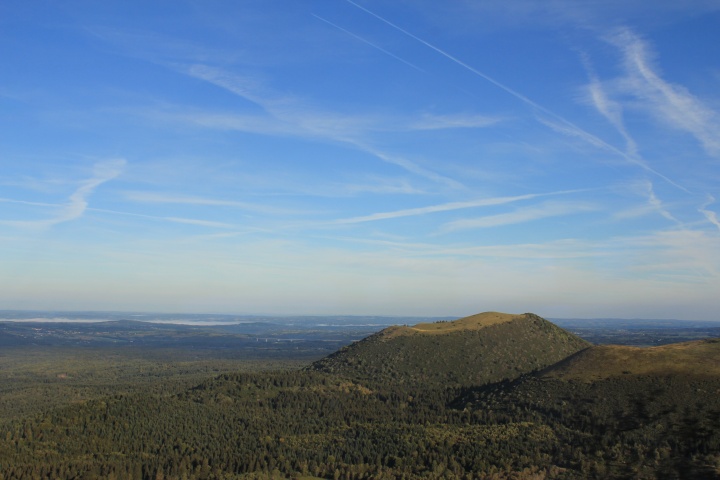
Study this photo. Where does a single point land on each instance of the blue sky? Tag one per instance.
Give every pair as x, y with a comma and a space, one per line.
361, 157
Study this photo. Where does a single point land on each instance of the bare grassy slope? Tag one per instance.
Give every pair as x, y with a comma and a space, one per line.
475, 350
473, 322
701, 357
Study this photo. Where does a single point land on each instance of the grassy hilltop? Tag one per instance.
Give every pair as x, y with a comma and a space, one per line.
475, 350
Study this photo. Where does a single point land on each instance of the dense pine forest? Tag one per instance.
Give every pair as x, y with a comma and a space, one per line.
657, 416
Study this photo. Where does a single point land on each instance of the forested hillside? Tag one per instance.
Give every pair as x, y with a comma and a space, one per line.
475, 350
564, 421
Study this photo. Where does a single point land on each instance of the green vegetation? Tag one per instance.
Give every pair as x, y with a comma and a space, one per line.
484, 350
281, 423
651, 425
367, 412
35, 379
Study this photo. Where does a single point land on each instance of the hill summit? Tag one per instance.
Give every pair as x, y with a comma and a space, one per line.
475, 350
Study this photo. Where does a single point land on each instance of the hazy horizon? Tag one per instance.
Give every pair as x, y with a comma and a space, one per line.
219, 319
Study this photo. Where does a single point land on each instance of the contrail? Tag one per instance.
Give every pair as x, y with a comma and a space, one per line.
369, 43
458, 61
485, 202
578, 131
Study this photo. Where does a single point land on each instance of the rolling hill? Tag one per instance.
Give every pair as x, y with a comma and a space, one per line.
487, 396
475, 350
663, 401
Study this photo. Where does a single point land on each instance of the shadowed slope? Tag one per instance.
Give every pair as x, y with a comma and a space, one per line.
475, 350
664, 398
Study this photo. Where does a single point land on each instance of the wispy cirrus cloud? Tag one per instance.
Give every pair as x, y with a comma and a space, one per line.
445, 207
571, 130
249, 123
352, 131
200, 223
157, 218
677, 253
77, 204
657, 205
408, 165
711, 216
439, 122
544, 115
610, 109
379, 185
284, 113
151, 197
521, 215
653, 204
669, 255
33, 204
558, 13
668, 103
288, 115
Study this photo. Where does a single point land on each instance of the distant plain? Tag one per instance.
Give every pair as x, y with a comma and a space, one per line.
53, 358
